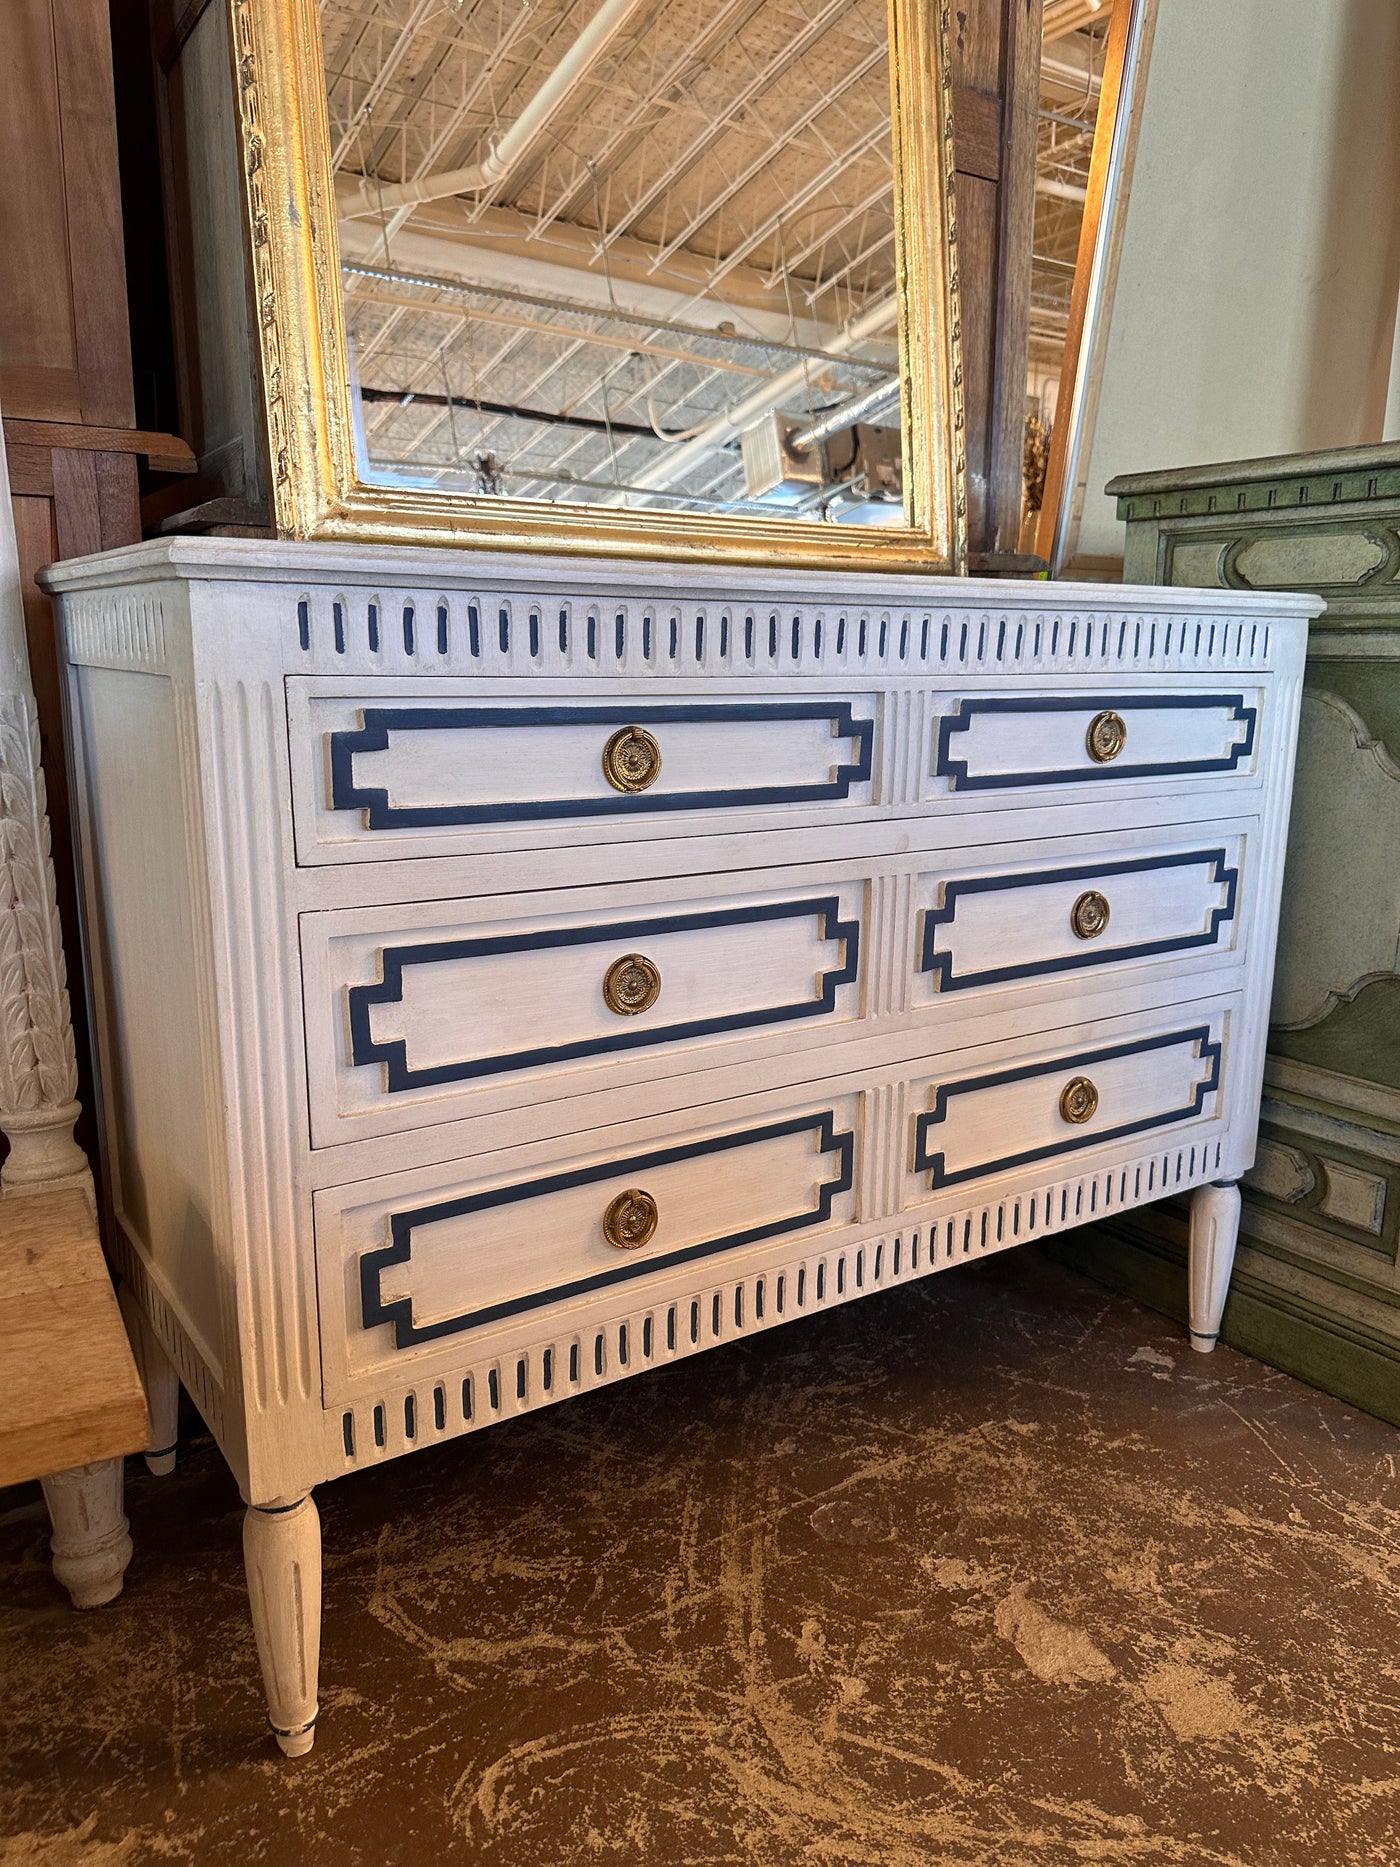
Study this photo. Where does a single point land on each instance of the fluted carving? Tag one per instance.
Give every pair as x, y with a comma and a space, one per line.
38, 1069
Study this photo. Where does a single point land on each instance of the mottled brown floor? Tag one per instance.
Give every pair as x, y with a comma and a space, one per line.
991, 1569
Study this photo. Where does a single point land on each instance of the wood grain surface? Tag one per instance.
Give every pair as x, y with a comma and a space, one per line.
72, 1394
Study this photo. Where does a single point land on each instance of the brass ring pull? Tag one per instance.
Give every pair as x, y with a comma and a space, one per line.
631, 984
1106, 737
631, 759
1089, 915
630, 1220
1079, 1100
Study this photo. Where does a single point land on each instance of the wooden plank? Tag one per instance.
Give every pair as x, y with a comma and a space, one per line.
165, 452
977, 251
36, 333
996, 100
92, 193
976, 134
977, 46
77, 505
1020, 125
31, 472
118, 503
72, 1393
40, 391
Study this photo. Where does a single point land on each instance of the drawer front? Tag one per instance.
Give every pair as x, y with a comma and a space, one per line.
986, 929
998, 1120
420, 1014
378, 777
433, 1013
420, 1257
1003, 743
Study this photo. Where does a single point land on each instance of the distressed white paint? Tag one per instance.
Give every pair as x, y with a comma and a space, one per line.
161, 1382
282, 1556
1214, 1233
90, 1544
230, 907
38, 1069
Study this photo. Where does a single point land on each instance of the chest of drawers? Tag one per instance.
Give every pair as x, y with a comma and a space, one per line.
512, 975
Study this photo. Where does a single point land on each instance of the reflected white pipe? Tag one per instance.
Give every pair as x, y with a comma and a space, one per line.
860, 408
1057, 190
676, 464
376, 196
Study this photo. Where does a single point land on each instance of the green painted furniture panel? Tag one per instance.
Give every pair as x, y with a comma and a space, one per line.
1317, 1280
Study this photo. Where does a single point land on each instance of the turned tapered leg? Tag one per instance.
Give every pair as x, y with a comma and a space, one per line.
1215, 1227
161, 1383
282, 1556
90, 1544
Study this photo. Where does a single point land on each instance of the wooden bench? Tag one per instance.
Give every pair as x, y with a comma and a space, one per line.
74, 1403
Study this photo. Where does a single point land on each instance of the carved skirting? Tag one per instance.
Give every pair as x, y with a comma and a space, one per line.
462, 1398
198, 1377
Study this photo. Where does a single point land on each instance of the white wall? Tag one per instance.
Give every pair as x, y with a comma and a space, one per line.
1256, 294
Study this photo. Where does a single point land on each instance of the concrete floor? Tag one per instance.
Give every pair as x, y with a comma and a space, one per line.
990, 1569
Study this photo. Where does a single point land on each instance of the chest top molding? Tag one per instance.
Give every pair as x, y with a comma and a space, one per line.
405, 612
400, 611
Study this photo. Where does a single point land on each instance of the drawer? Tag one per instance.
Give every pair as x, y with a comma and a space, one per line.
977, 1123
431, 1013
411, 1259
429, 1266
1010, 923
421, 1014
375, 775
1001, 744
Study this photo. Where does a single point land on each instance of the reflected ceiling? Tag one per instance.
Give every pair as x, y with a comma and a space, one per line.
695, 229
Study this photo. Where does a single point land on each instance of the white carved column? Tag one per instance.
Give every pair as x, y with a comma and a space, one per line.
90, 1544
38, 1069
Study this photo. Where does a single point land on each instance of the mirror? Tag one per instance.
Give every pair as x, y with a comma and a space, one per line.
645, 255
618, 270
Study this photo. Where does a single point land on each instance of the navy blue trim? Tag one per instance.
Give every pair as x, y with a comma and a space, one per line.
380, 722
374, 1310
292, 1730
939, 961
393, 1054
933, 1163
955, 770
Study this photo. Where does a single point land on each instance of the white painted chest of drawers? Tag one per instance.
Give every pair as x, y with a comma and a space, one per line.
511, 975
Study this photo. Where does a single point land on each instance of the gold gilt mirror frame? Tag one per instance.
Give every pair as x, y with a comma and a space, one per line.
319, 491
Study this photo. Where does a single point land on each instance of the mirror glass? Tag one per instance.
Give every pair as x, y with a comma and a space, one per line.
638, 253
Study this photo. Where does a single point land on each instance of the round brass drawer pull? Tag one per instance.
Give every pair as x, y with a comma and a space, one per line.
1089, 915
1079, 1100
630, 1220
631, 759
631, 984
1106, 737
